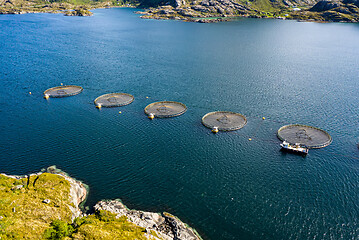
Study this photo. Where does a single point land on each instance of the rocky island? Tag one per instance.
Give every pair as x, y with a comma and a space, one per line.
46, 205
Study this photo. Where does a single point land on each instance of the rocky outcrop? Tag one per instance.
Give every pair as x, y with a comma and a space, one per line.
199, 11
156, 226
355, 2
206, 11
165, 225
325, 6
78, 194
337, 11
79, 12
56, 6
179, 3
78, 191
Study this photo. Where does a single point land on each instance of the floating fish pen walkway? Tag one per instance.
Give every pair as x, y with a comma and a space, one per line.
114, 100
165, 109
224, 121
308, 136
63, 91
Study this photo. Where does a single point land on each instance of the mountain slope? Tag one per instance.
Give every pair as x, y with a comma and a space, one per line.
202, 10
223, 10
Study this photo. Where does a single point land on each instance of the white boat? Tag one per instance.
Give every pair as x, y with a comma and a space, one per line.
296, 148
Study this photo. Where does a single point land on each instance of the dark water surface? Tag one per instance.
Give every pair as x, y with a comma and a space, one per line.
223, 185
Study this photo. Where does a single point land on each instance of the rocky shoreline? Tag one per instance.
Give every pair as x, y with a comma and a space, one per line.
78, 190
156, 226
207, 11
165, 225
68, 9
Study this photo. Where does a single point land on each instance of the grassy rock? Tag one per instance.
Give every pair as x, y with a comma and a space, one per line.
79, 12
46, 206
31, 216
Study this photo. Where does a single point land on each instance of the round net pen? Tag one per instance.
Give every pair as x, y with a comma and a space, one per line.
62, 91
165, 109
308, 136
224, 121
113, 100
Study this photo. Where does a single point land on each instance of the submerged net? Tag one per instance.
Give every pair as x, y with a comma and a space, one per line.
114, 100
63, 91
308, 136
224, 121
166, 109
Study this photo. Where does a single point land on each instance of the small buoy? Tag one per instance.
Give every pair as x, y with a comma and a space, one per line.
146, 97
151, 116
120, 112
62, 84
263, 118
99, 106
30, 93
215, 130
250, 139
46, 96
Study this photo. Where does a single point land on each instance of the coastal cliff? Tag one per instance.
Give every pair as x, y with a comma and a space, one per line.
165, 225
46, 205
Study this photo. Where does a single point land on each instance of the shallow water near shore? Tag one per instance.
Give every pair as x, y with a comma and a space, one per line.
223, 185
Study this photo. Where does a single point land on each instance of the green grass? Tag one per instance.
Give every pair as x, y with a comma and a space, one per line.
25, 216
104, 225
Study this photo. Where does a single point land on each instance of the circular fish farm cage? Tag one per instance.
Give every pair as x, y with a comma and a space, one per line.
63, 91
224, 121
165, 109
309, 136
114, 100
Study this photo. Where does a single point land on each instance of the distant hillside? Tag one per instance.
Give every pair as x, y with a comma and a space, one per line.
55, 6
201, 10
223, 10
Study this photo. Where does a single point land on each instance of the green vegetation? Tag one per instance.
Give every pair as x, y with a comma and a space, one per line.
25, 215
196, 10
59, 6
101, 225
105, 225
58, 230
23, 212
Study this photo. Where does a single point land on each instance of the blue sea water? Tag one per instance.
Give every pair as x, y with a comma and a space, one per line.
223, 185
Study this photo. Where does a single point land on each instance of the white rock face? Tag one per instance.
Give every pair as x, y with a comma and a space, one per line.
166, 226
78, 191
78, 194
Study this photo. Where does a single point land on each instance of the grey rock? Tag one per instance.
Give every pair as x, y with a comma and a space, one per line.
17, 187
200, 8
220, 10
324, 6
355, 2
165, 225
180, 3
343, 10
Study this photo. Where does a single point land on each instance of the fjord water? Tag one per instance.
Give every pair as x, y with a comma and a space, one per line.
223, 185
